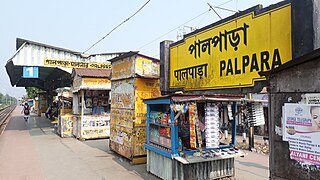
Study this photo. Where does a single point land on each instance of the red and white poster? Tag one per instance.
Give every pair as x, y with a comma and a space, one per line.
301, 128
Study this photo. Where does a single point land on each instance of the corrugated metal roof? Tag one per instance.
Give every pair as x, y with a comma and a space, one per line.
125, 55
20, 42
30, 53
132, 53
83, 72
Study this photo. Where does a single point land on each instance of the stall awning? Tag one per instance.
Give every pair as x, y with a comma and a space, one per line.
90, 79
88, 72
212, 97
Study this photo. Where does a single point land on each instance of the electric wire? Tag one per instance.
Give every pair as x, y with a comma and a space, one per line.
117, 26
225, 3
236, 5
181, 25
202, 19
224, 9
219, 7
173, 29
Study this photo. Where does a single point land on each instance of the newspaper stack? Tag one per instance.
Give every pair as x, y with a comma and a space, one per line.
212, 125
230, 112
256, 116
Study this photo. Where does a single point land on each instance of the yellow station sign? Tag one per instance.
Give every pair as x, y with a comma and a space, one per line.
230, 54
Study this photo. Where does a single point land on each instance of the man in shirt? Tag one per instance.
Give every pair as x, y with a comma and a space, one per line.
97, 110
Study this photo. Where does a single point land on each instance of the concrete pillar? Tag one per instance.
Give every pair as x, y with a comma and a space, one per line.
165, 66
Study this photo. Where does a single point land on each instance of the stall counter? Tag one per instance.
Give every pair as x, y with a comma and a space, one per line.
92, 127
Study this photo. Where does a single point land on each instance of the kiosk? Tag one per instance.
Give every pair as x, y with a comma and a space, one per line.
91, 89
134, 77
184, 135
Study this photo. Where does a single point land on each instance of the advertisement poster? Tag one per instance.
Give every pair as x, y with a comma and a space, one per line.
301, 128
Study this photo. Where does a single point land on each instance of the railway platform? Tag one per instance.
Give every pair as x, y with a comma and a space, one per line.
31, 150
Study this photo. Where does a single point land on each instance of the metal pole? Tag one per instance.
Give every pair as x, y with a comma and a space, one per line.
251, 132
234, 124
251, 138
82, 104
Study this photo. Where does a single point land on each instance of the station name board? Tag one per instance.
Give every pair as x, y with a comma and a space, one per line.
76, 64
232, 53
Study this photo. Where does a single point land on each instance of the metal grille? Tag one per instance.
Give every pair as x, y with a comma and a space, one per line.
168, 169
159, 165
206, 170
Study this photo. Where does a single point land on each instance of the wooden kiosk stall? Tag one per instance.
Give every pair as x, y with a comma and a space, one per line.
134, 77
91, 97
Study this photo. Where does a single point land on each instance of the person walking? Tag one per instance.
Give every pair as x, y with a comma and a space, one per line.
48, 112
26, 111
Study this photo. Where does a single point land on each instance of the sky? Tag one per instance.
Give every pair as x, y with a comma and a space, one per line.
77, 24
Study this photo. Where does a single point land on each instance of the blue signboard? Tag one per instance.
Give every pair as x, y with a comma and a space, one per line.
30, 72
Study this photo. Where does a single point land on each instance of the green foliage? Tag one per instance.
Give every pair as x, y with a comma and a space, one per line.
6, 100
32, 92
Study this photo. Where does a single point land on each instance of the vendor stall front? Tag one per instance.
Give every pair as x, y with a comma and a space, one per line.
65, 115
184, 134
134, 77
91, 107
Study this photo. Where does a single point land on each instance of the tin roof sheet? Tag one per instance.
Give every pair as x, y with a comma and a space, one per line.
130, 54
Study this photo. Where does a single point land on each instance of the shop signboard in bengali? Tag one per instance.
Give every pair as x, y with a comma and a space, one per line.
96, 83
95, 127
76, 64
230, 54
301, 128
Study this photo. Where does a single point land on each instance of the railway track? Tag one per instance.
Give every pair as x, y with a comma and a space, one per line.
4, 114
